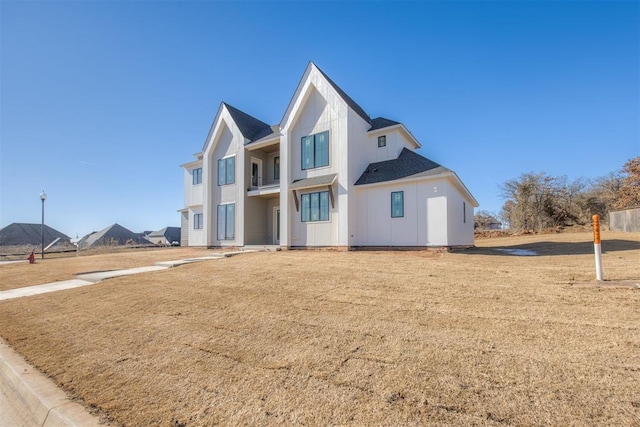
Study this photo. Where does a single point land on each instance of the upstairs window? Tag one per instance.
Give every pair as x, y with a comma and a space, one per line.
382, 141
197, 176
227, 171
315, 206
397, 204
276, 168
315, 150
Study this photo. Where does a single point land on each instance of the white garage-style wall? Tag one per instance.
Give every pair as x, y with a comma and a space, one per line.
428, 219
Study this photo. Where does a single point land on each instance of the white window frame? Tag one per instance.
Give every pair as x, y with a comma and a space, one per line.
197, 176
382, 141
314, 163
223, 164
197, 221
393, 213
307, 210
226, 224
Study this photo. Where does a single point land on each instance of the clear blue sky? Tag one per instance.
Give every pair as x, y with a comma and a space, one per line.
102, 101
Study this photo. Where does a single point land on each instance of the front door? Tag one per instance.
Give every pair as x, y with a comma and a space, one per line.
437, 221
276, 226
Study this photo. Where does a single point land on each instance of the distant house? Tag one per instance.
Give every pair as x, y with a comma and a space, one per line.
19, 234
114, 235
165, 236
327, 175
488, 224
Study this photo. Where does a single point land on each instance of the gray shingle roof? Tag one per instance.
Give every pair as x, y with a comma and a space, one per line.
381, 123
250, 127
408, 164
170, 233
350, 102
113, 235
29, 234
315, 181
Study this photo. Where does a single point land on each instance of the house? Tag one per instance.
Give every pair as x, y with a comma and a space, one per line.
113, 235
165, 236
484, 221
18, 234
327, 175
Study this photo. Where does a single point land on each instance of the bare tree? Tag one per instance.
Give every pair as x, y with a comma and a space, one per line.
628, 196
535, 201
531, 197
600, 196
562, 207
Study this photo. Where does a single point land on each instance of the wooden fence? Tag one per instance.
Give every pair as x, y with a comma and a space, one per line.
627, 220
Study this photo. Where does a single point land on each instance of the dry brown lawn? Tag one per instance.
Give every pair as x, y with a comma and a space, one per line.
67, 266
477, 337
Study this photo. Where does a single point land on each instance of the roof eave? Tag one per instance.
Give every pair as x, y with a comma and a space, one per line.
191, 164
410, 178
400, 127
410, 135
464, 188
385, 129
213, 125
296, 92
414, 178
264, 142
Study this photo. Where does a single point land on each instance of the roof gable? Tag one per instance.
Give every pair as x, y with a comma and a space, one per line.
408, 164
350, 102
250, 127
314, 76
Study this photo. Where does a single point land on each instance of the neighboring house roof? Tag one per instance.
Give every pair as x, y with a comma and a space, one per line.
30, 234
172, 234
408, 164
381, 123
250, 127
114, 235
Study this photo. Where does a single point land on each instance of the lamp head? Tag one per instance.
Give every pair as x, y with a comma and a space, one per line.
43, 196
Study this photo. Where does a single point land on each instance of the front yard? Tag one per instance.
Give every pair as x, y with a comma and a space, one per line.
478, 337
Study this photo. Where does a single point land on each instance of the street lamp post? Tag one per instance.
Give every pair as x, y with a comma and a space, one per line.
43, 197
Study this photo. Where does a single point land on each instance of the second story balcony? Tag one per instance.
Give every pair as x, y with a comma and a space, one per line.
268, 191
263, 168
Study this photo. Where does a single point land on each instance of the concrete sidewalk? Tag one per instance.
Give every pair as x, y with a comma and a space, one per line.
27, 397
98, 276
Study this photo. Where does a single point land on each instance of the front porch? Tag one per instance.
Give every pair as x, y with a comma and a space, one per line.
262, 202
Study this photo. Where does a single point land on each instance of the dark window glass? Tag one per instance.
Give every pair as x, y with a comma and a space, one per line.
397, 204
315, 206
315, 150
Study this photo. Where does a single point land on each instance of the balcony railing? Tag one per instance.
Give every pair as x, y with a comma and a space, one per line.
268, 191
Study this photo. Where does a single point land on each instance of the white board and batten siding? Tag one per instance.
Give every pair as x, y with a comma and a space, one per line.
432, 216
228, 142
317, 116
193, 202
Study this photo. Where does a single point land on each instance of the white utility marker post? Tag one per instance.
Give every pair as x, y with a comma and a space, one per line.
596, 246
